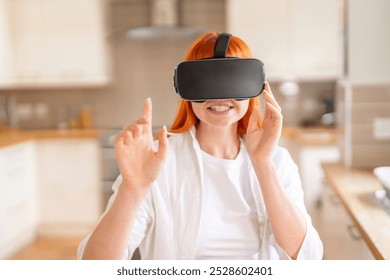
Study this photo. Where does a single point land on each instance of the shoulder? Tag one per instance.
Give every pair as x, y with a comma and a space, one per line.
282, 156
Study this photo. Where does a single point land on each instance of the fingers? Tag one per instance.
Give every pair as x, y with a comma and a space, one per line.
269, 97
253, 123
144, 124
272, 108
146, 118
272, 113
147, 110
162, 144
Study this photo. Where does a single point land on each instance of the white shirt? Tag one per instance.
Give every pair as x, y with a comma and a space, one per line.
230, 229
168, 221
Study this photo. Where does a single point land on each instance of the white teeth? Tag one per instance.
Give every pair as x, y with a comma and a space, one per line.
219, 108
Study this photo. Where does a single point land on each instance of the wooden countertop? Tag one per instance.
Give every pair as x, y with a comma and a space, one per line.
355, 187
10, 137
312, 136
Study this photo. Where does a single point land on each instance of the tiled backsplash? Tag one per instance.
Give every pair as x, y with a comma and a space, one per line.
361, 106
144, 69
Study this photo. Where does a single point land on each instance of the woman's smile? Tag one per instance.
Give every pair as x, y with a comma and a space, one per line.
220, 108
222, 112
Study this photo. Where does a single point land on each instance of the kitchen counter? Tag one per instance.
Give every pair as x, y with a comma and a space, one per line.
312, 136
355, 188
10, 137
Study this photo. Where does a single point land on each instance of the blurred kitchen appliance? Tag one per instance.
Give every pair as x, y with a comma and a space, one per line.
329, 117
164, 22
383, 196
110, 169
383, 174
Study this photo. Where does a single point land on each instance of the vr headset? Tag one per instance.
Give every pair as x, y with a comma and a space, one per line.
219, 77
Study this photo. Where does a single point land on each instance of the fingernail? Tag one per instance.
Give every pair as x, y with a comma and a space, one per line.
164, 127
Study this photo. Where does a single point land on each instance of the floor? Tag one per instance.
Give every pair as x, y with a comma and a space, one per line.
49, 249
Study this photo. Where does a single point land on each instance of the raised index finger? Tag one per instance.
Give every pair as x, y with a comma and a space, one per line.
147, 110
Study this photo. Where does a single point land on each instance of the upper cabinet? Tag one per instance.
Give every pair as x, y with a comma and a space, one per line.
6, 65
301, 39
53, 43
368, 42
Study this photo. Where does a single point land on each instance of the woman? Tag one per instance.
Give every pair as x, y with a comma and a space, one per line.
218, 188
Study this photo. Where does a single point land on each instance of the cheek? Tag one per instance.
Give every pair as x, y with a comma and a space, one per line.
243, 107
196, 109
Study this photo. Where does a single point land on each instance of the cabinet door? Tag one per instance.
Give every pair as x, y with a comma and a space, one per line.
3, 200
263, 25
74, 40
59, 42
340, 238
6, 65
368, 42
18, 203
316, 43
26, 27
312, 175
300, 38
70, 185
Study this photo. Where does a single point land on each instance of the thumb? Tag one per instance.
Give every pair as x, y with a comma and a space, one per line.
253, 123
162, 144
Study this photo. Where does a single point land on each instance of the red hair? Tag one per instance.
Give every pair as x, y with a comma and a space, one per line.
203, 47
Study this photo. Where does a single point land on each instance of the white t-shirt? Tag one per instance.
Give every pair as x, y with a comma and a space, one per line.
167, 225
229, 229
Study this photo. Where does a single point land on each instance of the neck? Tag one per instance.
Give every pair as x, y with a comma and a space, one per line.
220, 142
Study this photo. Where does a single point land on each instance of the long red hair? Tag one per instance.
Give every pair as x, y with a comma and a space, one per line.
203, 47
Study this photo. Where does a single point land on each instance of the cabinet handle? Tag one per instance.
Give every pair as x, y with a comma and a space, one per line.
353, 232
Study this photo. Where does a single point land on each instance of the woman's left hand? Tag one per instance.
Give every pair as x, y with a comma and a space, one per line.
261, 141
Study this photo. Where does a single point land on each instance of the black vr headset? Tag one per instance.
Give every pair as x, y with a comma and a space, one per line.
219, 77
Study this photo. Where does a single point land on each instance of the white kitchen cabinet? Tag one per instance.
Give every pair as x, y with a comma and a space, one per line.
308, 155
58, 43
70, 190
18, 200
312, 175
368, 42
340, 237
294, 38
6, 71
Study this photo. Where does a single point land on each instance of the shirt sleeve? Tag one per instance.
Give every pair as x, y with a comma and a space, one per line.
140, 225
288, 174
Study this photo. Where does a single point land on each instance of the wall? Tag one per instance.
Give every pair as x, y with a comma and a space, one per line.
141, 70
359, 106
365, 95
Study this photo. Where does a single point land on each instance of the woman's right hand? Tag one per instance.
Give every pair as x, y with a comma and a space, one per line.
138, 161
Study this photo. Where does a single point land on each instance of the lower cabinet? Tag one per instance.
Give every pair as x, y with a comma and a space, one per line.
70, 190
309, 159
48, 188
340, 237
18, 197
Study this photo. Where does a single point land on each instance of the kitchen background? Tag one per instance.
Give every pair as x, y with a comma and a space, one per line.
144, 67
74, 72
